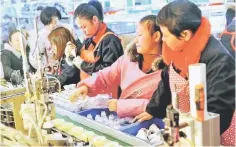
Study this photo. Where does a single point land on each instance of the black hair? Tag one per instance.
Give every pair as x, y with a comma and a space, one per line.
152, 26
88, 10
39, 8
11, 33
150, 22
96, 4
180, 15
230, 14
47, 13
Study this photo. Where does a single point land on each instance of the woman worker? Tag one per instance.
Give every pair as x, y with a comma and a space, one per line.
132, 72
101, 47
187, 40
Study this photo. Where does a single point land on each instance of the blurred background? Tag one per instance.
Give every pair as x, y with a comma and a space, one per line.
120, 15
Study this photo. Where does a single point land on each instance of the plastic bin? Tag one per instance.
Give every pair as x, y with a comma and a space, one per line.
133, 130
95, 112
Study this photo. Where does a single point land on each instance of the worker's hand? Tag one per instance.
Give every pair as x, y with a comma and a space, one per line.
80, 92
142, 117
70, 49
16, 78
112, 105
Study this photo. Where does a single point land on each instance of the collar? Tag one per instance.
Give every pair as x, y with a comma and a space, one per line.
7, 46
191, 52
100, 33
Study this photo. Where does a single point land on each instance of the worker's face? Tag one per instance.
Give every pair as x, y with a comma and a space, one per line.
15, 41
171, 40
89, 27
54, 22
146, 41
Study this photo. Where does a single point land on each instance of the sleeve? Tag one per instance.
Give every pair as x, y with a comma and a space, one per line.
101, 81
67, 73
161, 97
226, 41
221, 91
78, 45
111, 50
131, 107
6, 64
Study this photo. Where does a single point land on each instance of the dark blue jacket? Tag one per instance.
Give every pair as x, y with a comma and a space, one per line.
109, 50
220, 72
227, 38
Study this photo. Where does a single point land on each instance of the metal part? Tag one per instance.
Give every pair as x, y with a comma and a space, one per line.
15, 98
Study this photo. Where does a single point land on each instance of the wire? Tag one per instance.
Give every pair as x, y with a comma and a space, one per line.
38, 131
36, 127
46, 79
59, 83
8, 135
45, 113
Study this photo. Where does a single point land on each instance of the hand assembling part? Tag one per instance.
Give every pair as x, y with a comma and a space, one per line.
80, 92
142, 117
16, 78
112, 105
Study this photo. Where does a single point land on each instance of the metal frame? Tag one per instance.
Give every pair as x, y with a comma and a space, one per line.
16, 97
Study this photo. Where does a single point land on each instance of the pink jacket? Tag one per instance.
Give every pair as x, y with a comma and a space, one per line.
137, 87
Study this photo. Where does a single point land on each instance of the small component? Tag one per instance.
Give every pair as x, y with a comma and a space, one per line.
182, 134
70, 142
89, 116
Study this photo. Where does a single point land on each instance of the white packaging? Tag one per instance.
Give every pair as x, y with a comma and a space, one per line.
207, 133
197, 75
28, 112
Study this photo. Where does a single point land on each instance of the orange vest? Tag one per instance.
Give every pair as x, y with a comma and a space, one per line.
88, 55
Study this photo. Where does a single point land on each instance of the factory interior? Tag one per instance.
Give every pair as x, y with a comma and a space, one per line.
117, 73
